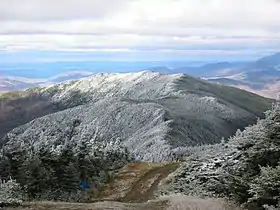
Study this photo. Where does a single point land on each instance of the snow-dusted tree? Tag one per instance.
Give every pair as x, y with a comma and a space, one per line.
246, 168
10, 193
255, 178
266, 187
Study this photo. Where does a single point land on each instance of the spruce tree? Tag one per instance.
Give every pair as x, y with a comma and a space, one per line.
255, 178
66, 172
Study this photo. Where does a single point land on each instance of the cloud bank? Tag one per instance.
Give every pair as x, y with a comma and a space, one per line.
166, 26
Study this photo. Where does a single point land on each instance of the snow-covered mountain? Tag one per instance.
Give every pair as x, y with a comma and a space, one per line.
154, 115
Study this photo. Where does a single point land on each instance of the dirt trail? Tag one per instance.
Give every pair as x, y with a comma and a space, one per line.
164, 203
143, 190
136, 182
107, 205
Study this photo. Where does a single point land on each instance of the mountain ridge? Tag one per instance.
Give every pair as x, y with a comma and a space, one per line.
154, 115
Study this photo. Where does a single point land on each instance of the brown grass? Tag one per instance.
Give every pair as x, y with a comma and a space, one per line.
136, 182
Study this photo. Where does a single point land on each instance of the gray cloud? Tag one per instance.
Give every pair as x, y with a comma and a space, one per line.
46, 10
139, 24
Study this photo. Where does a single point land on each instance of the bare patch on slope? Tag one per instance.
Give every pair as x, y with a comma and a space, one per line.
136, 182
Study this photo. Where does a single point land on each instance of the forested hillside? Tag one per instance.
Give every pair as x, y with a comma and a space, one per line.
154, 115
88, 130
244, 168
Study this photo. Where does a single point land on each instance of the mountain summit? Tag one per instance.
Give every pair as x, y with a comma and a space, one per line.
154, 115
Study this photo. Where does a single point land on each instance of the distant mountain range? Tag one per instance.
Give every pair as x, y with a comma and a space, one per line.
13, 83
261, 76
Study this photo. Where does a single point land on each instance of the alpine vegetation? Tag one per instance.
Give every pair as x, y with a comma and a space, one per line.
245, 169
10, 193
63, 175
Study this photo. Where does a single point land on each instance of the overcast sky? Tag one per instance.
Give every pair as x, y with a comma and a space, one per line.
170, 28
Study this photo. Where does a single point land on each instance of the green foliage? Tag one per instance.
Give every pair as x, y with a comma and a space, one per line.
13, 94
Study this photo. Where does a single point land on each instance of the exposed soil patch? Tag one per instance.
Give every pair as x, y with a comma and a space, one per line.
136, 182
144, 188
